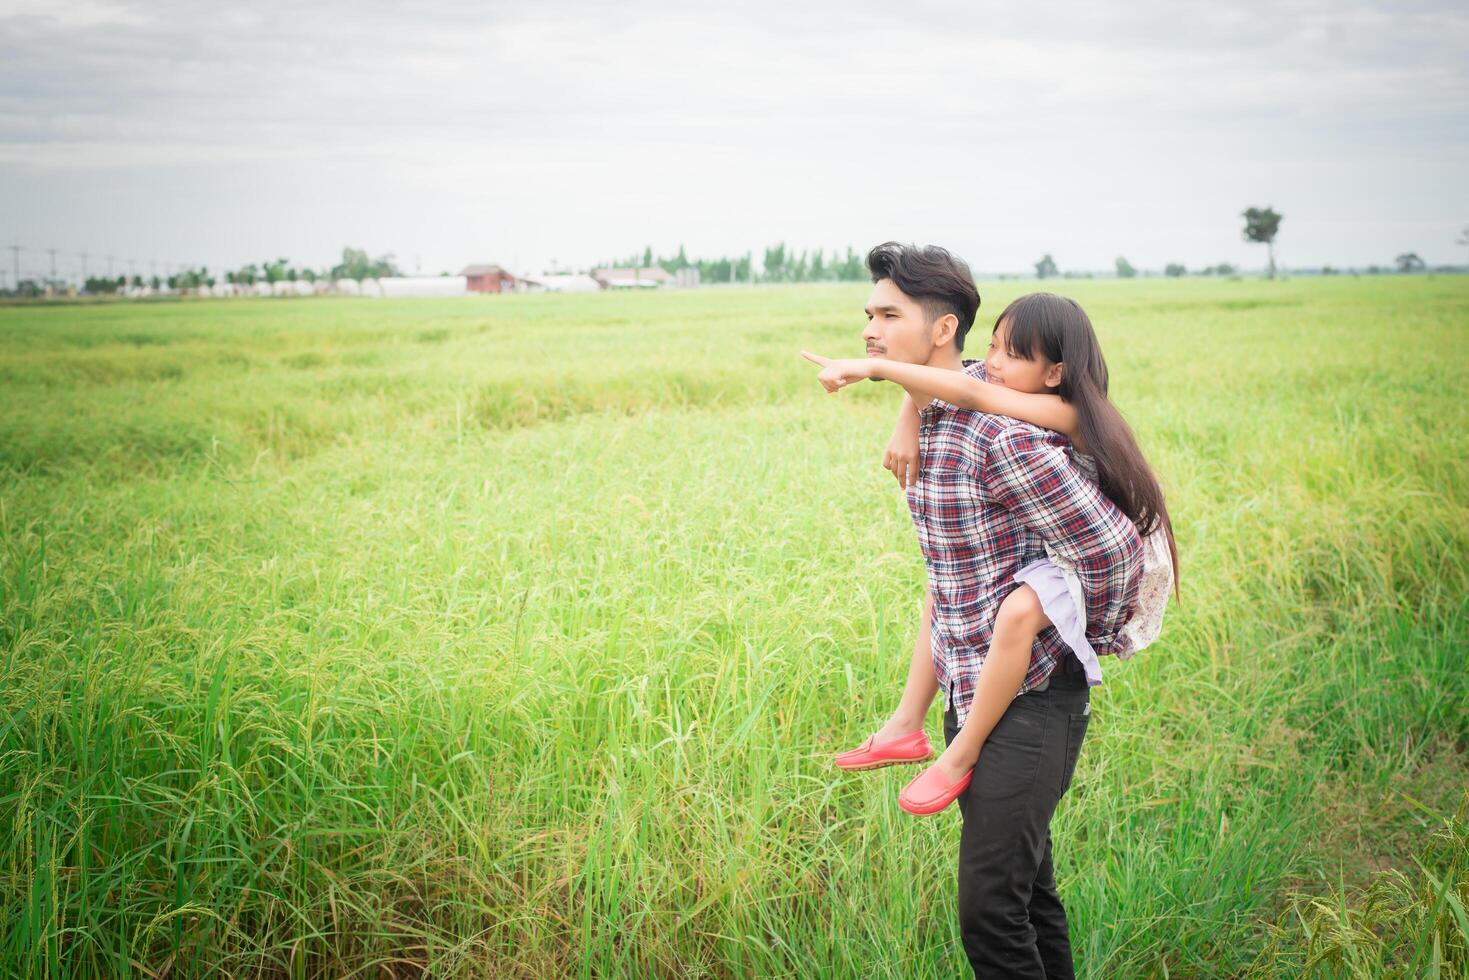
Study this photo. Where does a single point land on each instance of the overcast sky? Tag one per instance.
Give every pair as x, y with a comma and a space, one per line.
575, 132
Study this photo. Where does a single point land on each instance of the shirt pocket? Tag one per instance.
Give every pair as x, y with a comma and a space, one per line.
1076, 725
950, 503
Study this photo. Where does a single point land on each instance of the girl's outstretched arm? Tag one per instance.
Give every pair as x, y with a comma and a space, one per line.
925, 383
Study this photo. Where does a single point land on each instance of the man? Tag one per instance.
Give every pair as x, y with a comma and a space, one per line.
991, 493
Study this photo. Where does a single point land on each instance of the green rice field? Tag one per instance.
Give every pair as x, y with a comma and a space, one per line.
513, 636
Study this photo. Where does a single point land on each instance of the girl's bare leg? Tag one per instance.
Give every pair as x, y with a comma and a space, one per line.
922, 684
1019, 620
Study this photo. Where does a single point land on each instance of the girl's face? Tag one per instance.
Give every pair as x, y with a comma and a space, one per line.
1002, 366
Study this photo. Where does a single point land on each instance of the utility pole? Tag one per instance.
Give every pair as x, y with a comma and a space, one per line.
15, 250
84, 269
109, 267
53, 263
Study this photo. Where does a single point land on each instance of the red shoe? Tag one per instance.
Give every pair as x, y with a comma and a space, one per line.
930, 791
875, 755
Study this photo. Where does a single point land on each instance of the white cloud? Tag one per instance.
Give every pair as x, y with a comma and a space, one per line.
578, 131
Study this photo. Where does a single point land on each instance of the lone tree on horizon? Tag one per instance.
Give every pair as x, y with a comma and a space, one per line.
1046, 267
1463, 238
1410, 262
1261, 224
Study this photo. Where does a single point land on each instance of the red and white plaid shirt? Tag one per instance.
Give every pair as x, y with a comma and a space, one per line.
991, 491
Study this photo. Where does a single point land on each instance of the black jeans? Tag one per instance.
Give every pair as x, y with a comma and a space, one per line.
1010, 916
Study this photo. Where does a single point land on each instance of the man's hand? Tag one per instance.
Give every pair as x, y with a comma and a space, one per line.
837, 374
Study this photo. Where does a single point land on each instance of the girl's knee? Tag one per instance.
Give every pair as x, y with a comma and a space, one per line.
1021, 610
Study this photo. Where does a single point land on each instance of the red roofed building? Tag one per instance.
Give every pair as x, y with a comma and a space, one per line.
488, 279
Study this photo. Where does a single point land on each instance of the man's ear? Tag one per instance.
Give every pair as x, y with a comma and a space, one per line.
1054, 374
944, 329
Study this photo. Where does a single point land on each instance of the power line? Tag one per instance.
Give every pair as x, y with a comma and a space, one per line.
77, 265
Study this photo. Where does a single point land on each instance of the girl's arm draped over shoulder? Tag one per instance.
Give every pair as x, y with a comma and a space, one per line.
957, 388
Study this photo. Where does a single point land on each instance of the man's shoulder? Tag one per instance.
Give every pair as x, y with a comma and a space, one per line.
1022, 433
1002, 434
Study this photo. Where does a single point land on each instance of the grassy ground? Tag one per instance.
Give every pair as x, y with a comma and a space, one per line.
514, 636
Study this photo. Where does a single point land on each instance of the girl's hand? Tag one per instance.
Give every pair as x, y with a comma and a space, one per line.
901, 455
836, 375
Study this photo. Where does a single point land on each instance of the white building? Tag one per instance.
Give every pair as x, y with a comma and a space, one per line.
646, 278
390, 286
561, 283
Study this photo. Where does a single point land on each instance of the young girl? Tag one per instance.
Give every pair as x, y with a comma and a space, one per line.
1044, 367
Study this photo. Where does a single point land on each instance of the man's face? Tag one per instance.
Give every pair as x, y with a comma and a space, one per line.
897, 326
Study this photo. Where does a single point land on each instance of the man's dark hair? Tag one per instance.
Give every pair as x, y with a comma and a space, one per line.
940, 282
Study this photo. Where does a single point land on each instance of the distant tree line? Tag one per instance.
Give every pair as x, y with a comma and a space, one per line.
1261, 226
355, 264
187, 279
780, 265
1046, 268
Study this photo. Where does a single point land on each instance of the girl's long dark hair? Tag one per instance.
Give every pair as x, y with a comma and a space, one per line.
1059, 329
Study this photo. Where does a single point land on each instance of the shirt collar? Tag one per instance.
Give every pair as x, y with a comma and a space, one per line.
938, 405
935, 408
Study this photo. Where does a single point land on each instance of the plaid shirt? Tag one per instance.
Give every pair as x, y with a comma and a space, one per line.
991, 492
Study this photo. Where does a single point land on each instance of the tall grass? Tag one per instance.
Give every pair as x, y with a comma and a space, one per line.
514, 637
